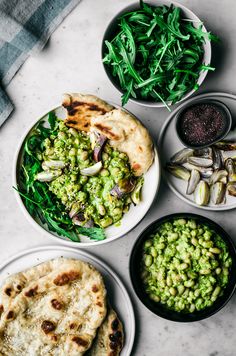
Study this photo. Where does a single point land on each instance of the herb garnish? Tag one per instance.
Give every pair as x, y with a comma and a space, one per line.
156, 55
40, 202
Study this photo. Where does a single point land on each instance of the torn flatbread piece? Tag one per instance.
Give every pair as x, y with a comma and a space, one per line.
110, 337
128, 135
81, 108
15, 283
57, 314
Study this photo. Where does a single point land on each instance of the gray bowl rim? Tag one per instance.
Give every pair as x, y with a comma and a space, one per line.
218, 103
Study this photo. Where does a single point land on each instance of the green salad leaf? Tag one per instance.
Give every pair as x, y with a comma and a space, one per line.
41, 203
156, 54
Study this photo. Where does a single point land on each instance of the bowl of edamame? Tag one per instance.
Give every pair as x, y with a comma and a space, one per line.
181, 267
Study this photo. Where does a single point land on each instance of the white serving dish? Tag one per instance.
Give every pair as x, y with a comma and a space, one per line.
129, 220
118, 296
169, 144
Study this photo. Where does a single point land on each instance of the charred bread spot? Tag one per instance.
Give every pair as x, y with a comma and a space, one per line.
107, 130
10, 315
31, 292
115, 324
48, 326
8, 291
94, 107
71, 122
113, 345
1, 309
71, 105
56, 304
94, 288
19, 287
115, 336
79, 341
140, 148
54, 338
72, 326
99, 304
66, 278
72, 112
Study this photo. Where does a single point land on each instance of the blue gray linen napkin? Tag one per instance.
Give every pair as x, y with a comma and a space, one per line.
25, 26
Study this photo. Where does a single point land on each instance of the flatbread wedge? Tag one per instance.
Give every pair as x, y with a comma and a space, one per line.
15, 283
128, 135
81, 108
110, 337
57, 314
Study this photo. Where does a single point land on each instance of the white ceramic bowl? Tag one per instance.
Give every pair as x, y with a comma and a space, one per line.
188, 14
129, 220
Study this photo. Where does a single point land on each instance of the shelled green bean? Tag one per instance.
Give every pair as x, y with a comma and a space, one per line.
185, 265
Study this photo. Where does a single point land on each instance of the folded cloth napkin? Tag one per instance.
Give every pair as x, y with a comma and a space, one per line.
25, 26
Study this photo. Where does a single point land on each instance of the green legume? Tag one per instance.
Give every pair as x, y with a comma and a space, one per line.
148, 260
187, 265
75, 149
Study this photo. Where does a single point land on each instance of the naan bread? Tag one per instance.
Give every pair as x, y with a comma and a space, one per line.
110, 337
57, 314
14, 284
128, 135
81, 108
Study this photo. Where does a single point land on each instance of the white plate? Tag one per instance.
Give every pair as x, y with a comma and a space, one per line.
118, 296
169, 144
129, 220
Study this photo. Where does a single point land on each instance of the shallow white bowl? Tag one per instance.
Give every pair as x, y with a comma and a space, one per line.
129, 220
187, 14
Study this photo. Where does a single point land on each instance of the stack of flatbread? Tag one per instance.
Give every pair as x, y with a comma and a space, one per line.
124, 131
58, 308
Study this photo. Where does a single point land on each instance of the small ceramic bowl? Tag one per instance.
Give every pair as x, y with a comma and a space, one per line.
188, 14
221, 107
160, 309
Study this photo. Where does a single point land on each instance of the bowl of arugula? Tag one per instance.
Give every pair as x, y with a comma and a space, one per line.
156, 53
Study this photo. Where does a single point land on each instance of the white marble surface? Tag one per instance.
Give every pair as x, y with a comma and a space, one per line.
71, 62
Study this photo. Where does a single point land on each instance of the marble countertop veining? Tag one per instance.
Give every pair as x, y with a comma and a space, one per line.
71, 62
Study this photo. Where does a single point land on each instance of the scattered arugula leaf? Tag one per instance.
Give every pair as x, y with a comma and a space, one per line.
41, 203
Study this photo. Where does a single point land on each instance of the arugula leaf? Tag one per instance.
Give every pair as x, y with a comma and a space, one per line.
155, 54
41, 203
52, 120
95, 233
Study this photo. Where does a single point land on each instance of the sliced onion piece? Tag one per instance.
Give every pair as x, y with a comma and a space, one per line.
92, 170
48, 176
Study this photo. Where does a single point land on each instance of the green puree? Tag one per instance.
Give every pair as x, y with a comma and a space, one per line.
185, 265
91, 193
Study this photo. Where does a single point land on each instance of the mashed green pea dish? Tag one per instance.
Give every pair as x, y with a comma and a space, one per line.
185, 265
75, 182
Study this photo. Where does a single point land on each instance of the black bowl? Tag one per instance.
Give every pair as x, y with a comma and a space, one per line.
160, 309
221, 107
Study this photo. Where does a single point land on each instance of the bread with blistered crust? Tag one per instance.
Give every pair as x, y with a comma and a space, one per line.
110, 337
128, 135
81, 108
57, 314
13, 285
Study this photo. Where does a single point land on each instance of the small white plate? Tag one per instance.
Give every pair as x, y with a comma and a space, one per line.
129, 220
117, 294
169, 144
